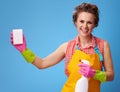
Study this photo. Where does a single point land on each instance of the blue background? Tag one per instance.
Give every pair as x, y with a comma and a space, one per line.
46, 25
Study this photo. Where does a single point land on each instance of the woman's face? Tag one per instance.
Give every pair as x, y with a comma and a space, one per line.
85, 23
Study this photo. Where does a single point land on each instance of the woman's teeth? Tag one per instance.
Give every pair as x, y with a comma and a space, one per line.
85, 30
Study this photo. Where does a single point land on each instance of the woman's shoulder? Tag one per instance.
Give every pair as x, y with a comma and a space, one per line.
102, 44
66, 45
101, 41
63, 47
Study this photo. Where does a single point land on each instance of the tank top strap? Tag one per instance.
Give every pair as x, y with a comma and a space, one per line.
98, 52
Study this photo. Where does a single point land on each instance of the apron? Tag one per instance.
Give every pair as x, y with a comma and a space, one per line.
73, 68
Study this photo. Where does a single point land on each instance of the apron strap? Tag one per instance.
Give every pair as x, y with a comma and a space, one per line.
98, 52
77, 48
100, 56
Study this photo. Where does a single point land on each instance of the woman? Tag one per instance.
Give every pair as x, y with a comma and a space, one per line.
84, 47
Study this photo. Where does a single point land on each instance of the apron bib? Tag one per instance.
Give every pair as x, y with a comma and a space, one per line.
74, 75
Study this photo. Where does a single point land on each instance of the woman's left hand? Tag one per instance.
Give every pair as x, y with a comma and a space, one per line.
86, 70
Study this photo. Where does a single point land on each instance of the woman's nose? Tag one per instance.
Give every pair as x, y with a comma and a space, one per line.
85, 26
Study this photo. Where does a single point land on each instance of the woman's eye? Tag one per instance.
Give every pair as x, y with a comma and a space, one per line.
81, 21
89, 22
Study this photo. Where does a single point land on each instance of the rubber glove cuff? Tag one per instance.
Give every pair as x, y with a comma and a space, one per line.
28, 55
100, 75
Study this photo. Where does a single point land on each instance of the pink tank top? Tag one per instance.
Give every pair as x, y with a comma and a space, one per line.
89, 50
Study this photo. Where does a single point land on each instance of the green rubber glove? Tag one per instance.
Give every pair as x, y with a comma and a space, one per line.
28, 55
100, 75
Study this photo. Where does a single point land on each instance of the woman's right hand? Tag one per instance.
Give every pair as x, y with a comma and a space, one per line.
19, 47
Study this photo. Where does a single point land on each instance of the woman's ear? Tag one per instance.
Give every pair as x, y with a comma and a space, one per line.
75, 23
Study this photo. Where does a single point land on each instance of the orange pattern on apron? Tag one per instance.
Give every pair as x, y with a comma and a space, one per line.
74, 75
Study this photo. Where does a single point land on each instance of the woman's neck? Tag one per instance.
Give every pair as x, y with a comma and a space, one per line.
85, 40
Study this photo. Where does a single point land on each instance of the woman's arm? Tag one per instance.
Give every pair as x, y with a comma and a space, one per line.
30, 57
51, 59
108, 62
